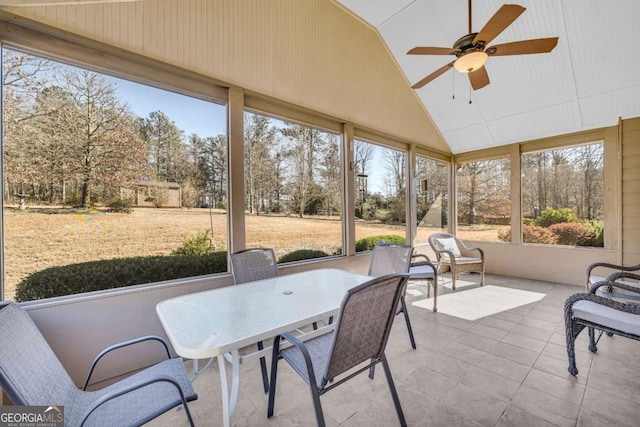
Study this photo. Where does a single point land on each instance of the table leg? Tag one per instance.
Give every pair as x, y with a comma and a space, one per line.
229, 397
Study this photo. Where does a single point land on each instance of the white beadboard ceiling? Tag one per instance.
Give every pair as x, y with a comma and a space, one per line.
590, 79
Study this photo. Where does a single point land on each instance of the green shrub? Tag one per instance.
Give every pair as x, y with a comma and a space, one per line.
301, 254
528, 221
573, 233
531, 234
597, 227
116, 273
555, 216
120, 205
368, 243
195, 245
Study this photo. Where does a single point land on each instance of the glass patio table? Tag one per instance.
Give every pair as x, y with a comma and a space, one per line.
221, 321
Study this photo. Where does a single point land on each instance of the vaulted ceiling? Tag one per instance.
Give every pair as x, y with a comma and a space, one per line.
590, 79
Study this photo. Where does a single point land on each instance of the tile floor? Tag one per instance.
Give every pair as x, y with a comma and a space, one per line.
504, 366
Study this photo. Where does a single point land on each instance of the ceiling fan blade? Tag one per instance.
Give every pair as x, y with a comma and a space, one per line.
498, 22
421, 50
433, 75
523, 47
479, 78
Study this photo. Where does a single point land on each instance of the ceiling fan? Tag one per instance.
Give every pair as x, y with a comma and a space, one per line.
472, 51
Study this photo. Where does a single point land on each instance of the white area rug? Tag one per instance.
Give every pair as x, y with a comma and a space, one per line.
474, 304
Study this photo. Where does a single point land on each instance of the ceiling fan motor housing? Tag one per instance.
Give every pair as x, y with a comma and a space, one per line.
465, 44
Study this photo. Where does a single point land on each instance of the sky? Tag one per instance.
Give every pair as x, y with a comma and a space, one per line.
191, 115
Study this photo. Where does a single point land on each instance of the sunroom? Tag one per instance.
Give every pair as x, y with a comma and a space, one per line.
148, 135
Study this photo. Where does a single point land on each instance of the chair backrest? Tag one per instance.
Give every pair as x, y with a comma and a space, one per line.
253, 264
389, 258
364, 323
30, 372
444, 241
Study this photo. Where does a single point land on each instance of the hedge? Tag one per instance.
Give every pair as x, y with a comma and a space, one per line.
301, 254
116, 273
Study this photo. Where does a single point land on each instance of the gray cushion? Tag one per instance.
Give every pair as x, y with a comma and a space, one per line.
607, 316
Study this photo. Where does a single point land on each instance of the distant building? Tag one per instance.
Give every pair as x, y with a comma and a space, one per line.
154, 194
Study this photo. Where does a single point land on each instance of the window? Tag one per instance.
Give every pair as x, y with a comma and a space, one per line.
484, 200
432, 197
380, 185
563, 196
106, 182
293, 188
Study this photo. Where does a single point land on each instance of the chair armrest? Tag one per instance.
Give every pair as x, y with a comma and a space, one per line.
610, 266
613, 284
132, 387
122, 345
466, 249
452, 258
305, 354
427, 260
622, 275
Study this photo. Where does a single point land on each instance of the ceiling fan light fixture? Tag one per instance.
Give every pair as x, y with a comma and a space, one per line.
470, 62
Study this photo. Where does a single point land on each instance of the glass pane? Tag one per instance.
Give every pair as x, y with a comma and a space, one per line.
106, 181
484, 200
293, 188
380, 186
432, 197
563, 196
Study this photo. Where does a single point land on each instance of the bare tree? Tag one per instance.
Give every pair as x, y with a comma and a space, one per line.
103, 145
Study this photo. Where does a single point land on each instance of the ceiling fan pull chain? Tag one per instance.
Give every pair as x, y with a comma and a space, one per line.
453, 85
469, 92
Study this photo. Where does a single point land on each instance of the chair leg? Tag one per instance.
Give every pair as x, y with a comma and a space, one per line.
454, 273
571, 352
482, 276
394, 393
406, 319
263, 368
315, 396
592, 340
434, 283
372, 370
274, 373
315, 325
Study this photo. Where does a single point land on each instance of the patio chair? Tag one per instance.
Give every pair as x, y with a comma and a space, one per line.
253, 264
592, 311
389, 259
422, 268
250, 265
361, 334
31, 374
453, 253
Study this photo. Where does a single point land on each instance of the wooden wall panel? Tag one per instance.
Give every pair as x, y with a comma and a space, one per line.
631, 191
310, 53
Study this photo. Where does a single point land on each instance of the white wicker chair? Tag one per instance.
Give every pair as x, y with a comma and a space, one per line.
451, 252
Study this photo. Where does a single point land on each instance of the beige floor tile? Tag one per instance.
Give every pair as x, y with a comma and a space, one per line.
562, 388
516, 417
475, 405
516, 354
507, 368
546, 406
493, 384
523, 341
